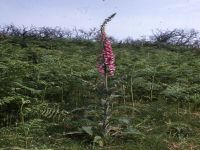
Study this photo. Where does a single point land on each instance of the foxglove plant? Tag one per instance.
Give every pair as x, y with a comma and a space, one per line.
106, 67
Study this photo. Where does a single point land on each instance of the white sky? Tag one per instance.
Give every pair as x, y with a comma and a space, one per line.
134, 18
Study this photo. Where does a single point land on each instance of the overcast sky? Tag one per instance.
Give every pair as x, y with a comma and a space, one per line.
134, 18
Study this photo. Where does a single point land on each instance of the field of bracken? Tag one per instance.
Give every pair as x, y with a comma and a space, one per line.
51, 91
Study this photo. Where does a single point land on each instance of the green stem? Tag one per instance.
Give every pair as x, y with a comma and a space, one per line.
133, 104
106, 108
151, 89
22, 114
106, 81
124, 93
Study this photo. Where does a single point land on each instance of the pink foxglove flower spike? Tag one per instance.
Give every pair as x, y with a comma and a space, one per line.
106, 67
107, 64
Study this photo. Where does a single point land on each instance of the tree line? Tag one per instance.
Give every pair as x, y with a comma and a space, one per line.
176, 37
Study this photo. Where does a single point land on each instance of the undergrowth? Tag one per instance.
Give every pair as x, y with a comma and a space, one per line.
50, 91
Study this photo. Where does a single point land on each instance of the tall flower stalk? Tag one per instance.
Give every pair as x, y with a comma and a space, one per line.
106, 68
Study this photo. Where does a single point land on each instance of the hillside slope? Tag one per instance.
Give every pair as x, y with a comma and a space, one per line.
50, 89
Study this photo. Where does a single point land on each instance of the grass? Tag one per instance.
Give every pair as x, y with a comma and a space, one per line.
155, 97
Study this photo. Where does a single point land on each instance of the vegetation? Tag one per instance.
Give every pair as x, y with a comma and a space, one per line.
50, 93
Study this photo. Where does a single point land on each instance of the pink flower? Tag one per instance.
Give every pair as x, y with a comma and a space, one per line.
107, 58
